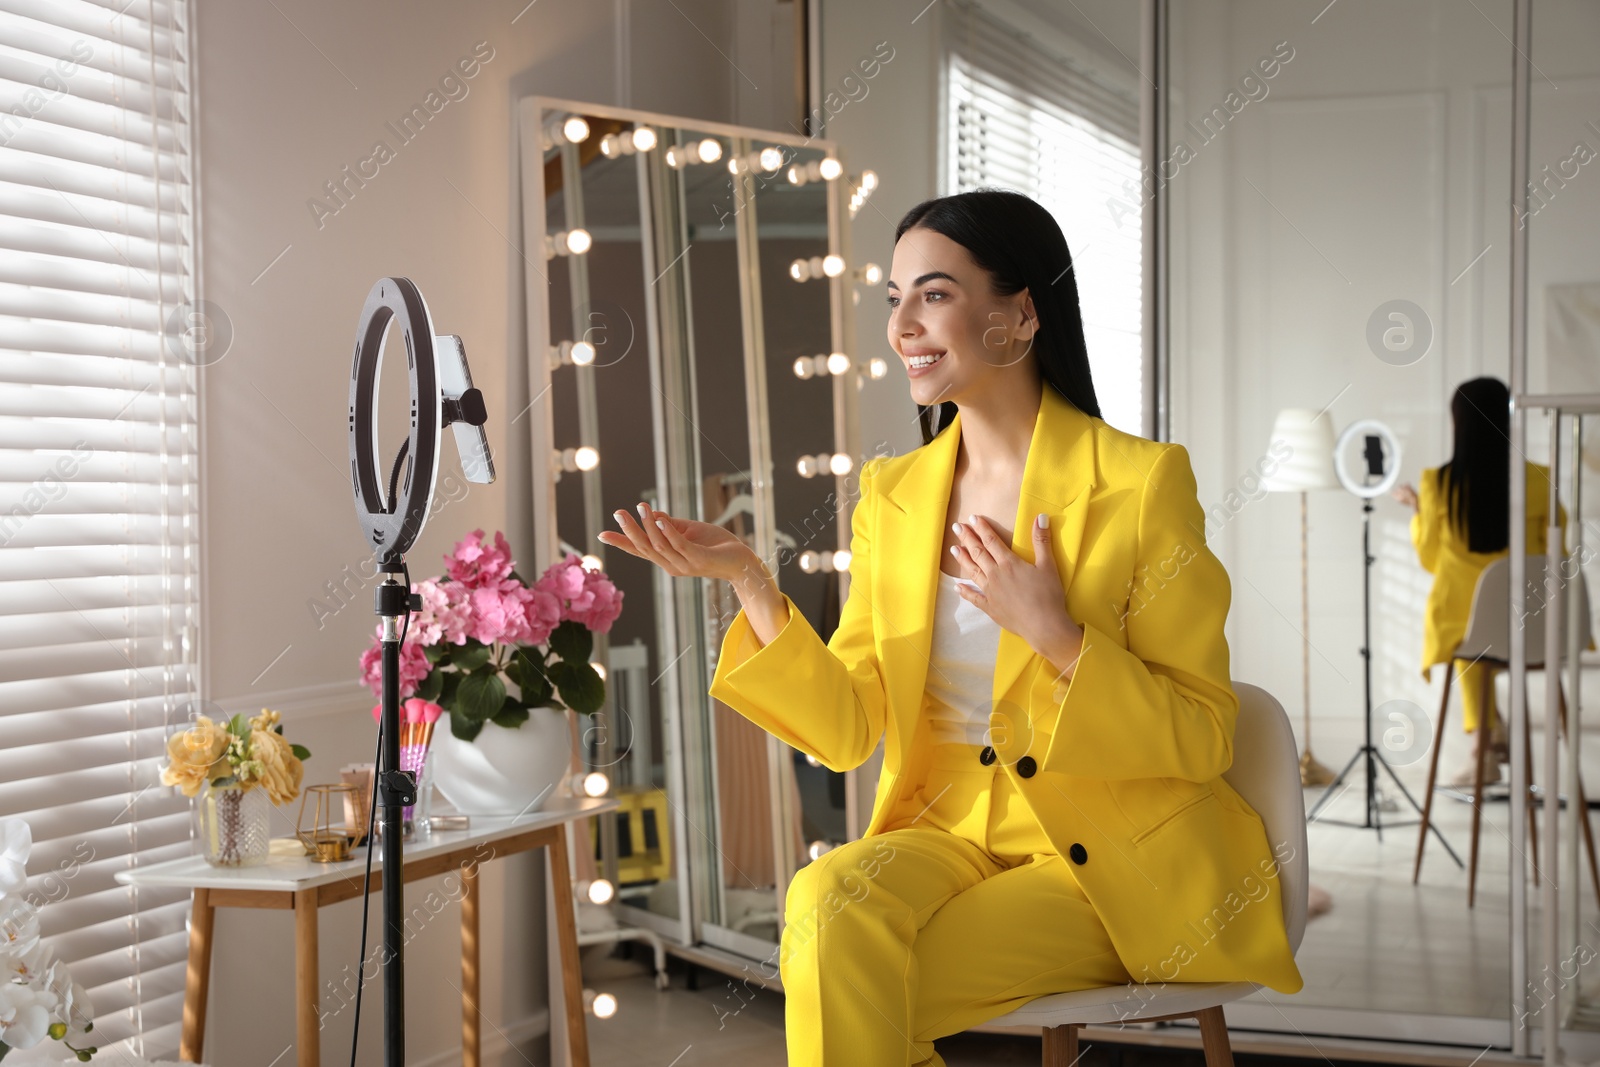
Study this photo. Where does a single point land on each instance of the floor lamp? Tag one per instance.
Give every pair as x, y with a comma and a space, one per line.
1302, 442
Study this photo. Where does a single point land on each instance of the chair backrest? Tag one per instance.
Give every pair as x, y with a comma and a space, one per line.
1488, 633
1266, 773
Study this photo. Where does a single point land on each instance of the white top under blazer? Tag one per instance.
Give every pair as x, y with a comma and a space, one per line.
966, 642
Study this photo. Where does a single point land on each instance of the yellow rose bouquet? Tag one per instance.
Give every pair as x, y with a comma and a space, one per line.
242, 752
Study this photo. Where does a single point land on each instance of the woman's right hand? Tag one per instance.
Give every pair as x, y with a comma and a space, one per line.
1406, 495
683, 548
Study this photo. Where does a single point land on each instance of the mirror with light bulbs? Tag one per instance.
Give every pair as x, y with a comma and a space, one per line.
686, 328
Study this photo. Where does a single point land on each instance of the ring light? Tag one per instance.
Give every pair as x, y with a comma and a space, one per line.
392, 517
441, 395
1390, 446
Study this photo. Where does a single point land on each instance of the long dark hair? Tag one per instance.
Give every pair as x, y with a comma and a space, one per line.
1477, 479
1014, 239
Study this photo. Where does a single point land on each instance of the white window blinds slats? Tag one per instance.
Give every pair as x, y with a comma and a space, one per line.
98, 486
1024, 115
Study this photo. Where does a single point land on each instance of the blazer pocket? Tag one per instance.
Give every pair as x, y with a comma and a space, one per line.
1166, 820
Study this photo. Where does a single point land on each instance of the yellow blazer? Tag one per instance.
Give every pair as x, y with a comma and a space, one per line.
1443, 553
1121, 764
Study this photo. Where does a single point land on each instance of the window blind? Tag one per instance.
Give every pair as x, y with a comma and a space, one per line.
98, 485
1022, 115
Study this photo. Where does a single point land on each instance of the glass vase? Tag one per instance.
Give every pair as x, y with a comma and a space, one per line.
234, 825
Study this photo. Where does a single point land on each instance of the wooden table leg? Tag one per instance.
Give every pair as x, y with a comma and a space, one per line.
470, 1029
571, 962
196, 984
306, 999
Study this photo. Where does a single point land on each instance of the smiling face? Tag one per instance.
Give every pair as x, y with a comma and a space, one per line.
940, 301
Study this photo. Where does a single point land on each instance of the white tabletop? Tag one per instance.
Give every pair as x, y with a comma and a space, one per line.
288, 868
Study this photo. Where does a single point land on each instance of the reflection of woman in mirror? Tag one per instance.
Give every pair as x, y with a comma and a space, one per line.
1461, 525
1034, 629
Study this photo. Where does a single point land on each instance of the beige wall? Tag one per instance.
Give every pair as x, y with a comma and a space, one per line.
290, 94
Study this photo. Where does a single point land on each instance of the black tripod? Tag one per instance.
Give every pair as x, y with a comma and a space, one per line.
1374, 758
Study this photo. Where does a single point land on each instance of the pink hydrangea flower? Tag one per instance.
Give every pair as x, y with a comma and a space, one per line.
474, 563
585, 596
530, 614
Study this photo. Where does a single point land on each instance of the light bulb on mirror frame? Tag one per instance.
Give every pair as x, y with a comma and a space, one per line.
710, 150
591, 562
771, 158
870, 274
804, 368
644, 138
830, 168
841, 560
838, 363
575, 129
877, 367
595, 891
833, 265
595, 784
600, 1005
800, 270
817, 848
586, 457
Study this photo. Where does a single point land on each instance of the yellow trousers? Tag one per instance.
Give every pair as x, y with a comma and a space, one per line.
960, 911
1470, 677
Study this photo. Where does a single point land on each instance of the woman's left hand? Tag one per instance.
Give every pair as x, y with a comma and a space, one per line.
1026, 599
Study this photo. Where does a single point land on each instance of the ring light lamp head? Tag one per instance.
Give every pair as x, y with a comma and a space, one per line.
441, 395
1389, 450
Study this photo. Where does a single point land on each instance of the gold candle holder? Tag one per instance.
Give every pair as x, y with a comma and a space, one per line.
324, 840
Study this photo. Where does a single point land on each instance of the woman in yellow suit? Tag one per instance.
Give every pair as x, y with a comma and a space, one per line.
1063, 823
1459, 528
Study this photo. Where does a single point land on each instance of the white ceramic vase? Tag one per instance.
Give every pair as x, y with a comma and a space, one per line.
504, 772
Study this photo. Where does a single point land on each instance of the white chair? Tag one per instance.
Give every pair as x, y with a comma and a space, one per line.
1266, 773
1488, 640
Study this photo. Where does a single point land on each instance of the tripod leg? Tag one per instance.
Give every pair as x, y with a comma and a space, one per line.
1482, 734
1533, 809
1582, 809
1433, 771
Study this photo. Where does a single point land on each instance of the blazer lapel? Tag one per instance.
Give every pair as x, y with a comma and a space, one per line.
1058, 478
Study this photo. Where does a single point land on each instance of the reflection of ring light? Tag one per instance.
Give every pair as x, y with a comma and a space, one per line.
1391, 451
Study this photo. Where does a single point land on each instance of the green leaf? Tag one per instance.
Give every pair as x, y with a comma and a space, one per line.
239, 726
437, 652
278, 729
447, 689
464, 728
572, 641
300, 752
581, 687
473, 655
226, 780
480, 695
431, 686
512, 714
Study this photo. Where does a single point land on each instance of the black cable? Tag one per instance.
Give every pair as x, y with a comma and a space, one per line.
394, 476
377, 776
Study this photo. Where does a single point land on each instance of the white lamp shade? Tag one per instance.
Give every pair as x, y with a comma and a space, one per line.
1307, 461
